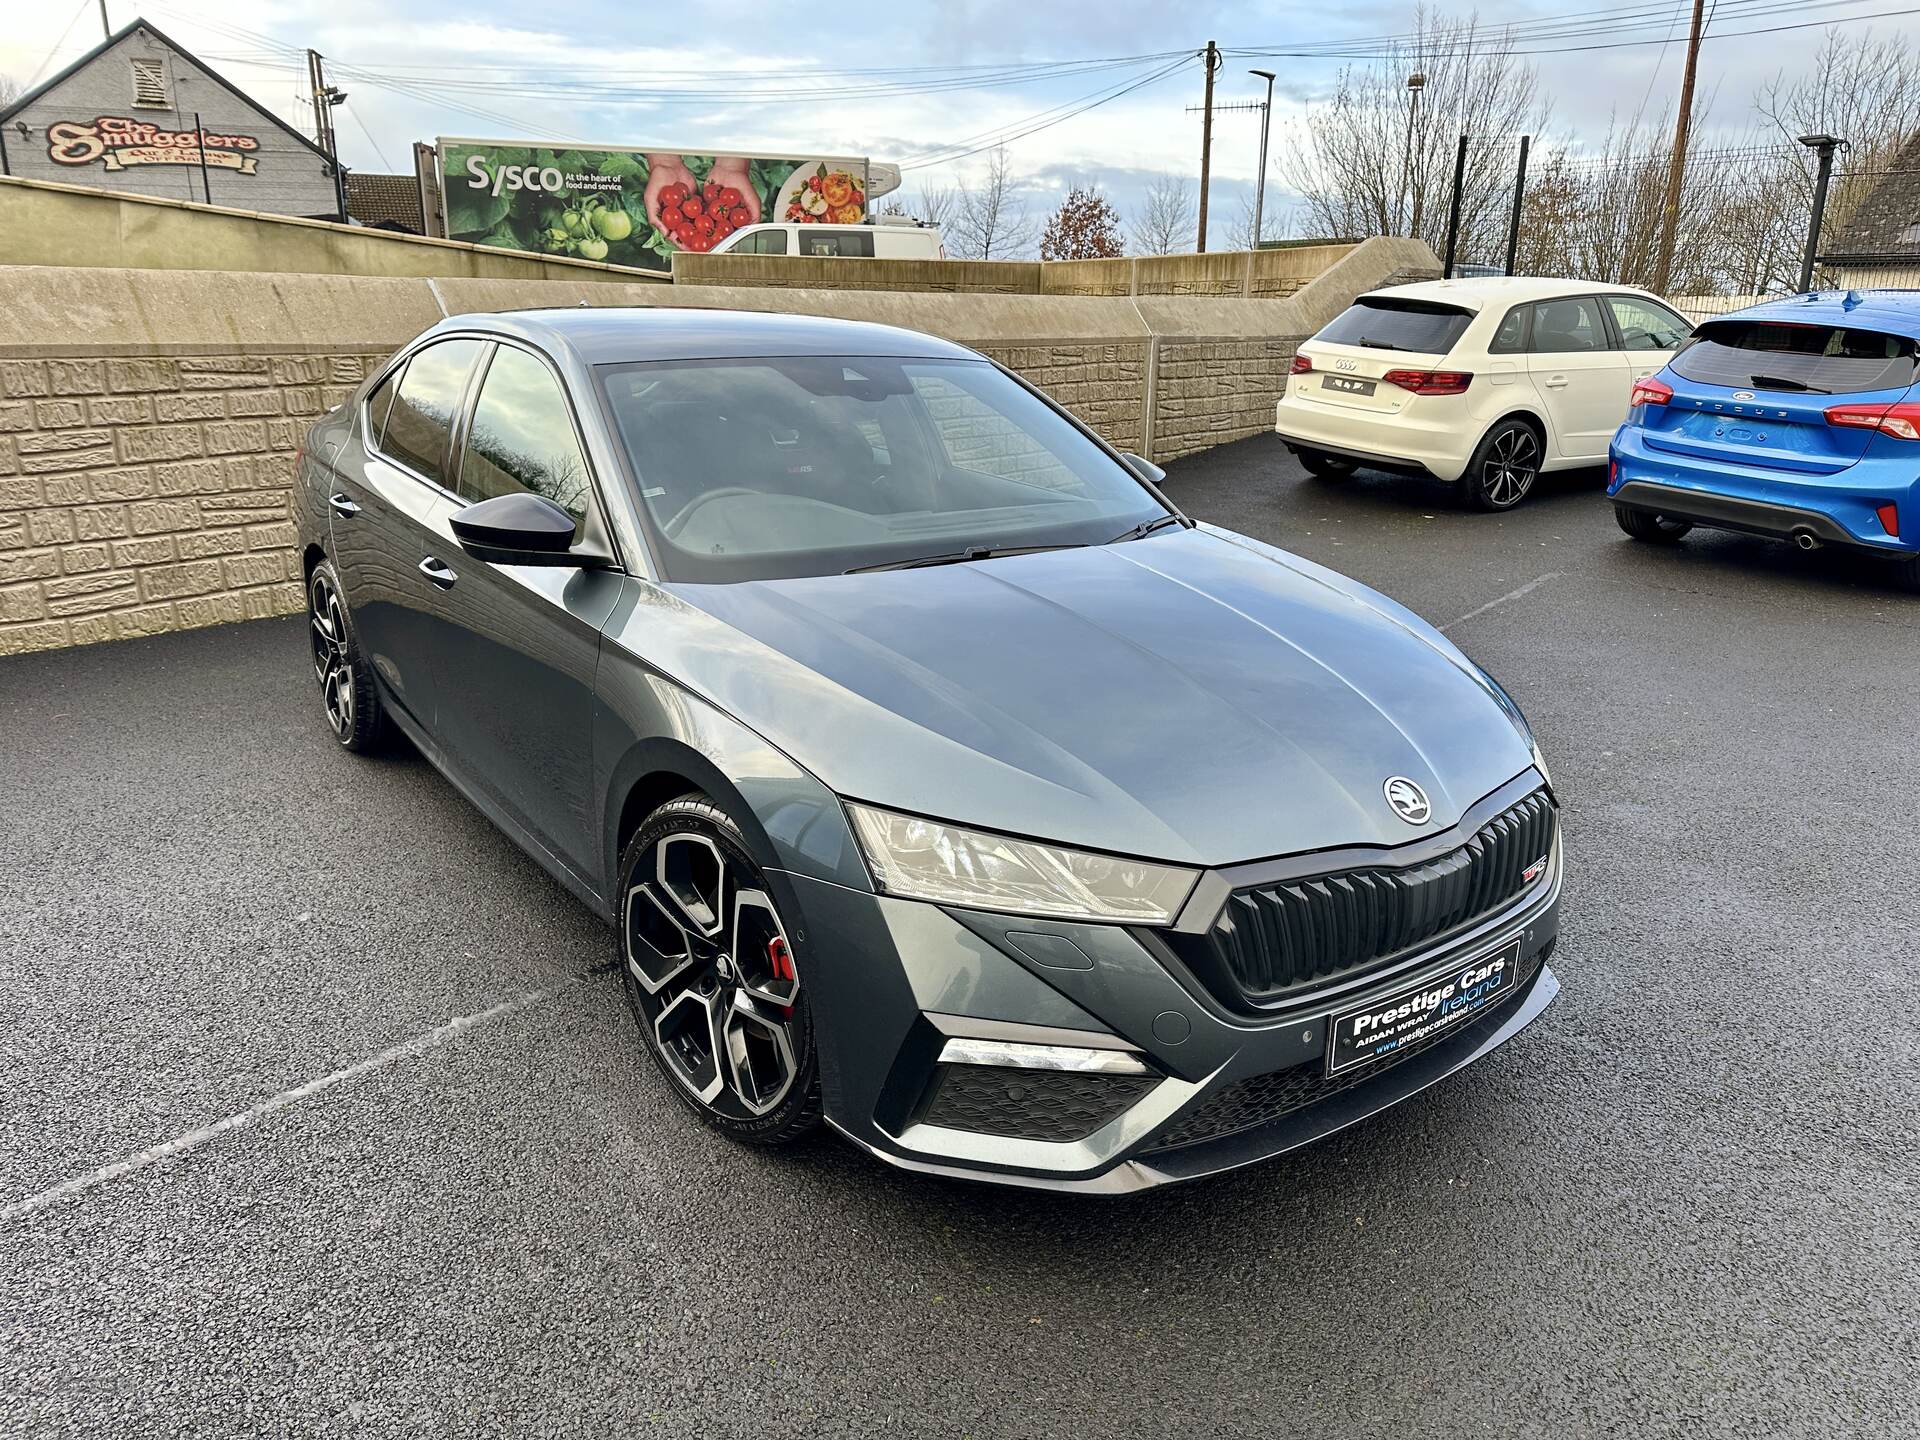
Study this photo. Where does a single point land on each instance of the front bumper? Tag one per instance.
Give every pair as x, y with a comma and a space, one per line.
1225, 1090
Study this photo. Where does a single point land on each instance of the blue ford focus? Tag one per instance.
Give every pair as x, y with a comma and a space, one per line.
1797, 419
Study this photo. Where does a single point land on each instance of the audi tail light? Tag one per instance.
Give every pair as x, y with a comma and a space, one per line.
1649, 392
1902, 421
1430, 382
1301, 363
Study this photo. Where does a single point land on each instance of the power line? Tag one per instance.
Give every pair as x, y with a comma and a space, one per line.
1010, 134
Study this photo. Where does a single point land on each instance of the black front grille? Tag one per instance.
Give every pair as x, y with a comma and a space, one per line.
1261, 1098
1028, 1104
1274, 940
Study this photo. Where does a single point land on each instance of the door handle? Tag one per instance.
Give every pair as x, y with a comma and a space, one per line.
343, 504
436, 571
1555, 382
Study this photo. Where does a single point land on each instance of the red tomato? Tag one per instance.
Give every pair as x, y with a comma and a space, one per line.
693, 207
673, 194
711, 191
729, 197
740, 215
704, 225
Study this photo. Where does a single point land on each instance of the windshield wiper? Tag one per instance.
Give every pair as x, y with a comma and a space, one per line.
1146, 528
1375, 344
961, 557
1781, 382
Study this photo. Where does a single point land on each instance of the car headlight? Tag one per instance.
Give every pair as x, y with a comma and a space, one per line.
951, 865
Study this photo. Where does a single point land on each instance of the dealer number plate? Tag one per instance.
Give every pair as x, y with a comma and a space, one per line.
1347, 386
1359, 1037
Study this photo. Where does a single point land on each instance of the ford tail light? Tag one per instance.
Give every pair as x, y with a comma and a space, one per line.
1890, 519
1901, 421
1649, 392
1301, 363
1430, 382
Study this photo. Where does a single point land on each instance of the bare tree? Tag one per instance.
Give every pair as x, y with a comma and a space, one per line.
990, 222
1163, 225
1242, 233
1369, 163
937, 205
9, 91
1862, 88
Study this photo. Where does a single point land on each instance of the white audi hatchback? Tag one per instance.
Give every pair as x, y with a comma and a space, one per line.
1487, 382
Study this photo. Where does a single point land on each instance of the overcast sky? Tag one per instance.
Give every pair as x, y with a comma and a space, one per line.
415, 51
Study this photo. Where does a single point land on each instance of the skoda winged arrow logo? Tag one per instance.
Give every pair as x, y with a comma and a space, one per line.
1408, 800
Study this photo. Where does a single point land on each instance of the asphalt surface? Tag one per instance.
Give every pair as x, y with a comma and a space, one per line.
1684, 1203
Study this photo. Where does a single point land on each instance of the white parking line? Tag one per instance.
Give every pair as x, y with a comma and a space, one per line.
194, 1139
1526, 589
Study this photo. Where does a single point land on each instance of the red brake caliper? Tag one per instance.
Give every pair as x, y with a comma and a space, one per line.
781, 960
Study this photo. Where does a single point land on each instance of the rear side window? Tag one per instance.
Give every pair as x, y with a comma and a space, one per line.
1381, 322
764, 242
420, 423
1562, 327
1817, 359
836, 242
522, 437
379, 403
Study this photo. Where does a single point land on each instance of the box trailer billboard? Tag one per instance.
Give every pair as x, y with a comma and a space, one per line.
635, 205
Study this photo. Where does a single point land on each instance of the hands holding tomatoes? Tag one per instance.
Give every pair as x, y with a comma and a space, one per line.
695, 216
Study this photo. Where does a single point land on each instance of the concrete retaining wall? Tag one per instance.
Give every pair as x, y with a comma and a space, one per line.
1252, 274
148, 418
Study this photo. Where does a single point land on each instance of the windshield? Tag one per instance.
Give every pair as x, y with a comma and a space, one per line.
1377, 322
812, 465
1816, 359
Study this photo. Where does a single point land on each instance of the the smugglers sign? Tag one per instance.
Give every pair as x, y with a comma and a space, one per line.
120, 143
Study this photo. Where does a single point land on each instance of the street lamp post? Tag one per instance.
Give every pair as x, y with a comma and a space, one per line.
1416, 82
1260, 185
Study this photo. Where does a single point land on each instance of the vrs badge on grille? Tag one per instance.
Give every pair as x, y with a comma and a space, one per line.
1408, 800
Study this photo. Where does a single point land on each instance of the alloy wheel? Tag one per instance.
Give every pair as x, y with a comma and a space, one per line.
1507, 474
331, 664
715, 975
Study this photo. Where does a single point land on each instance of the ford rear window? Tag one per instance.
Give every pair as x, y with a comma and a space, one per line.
1811, 359
1380, 322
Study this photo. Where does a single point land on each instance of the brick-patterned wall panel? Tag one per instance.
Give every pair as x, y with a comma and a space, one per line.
146, 494
1104, 385
1209, 392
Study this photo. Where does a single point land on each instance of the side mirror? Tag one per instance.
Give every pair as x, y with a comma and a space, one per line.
516, 529
1144, 468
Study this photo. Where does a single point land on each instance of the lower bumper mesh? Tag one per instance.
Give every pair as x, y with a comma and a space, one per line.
1262, 1098
1028, 1104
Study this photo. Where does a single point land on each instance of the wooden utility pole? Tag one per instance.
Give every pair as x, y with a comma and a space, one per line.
1206, 143
1677, 161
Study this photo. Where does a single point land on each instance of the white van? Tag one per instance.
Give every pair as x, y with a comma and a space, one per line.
886, 237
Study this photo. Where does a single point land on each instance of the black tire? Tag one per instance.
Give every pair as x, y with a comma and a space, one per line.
1907, 573
1504, 465
348, 697
1324, 464
743, 1003
1652, 528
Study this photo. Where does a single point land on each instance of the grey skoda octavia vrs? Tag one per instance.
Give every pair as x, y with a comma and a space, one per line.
940, 779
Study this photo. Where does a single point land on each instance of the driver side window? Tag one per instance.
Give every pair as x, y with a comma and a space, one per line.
522, 437
1644, 325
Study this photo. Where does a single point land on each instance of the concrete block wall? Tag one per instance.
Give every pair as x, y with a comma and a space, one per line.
148, 419
146, 494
